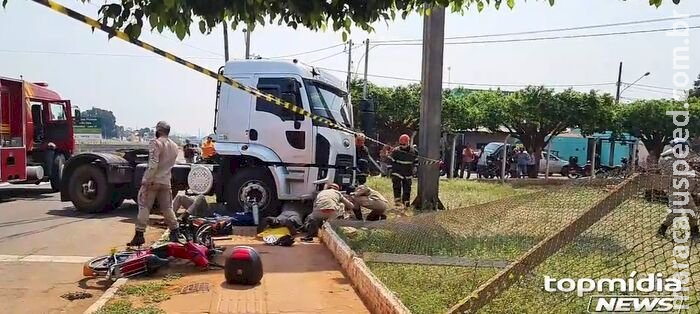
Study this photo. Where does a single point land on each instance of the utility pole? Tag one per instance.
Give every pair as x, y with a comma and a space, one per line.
619, 84
246, 33
225, 41
611, 157
364, 88
349, 63
431, 105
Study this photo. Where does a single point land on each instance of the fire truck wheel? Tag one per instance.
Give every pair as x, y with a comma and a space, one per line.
256, 184
89, 191
57, 172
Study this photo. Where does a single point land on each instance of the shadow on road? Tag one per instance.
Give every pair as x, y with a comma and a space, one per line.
126, 211
30, 193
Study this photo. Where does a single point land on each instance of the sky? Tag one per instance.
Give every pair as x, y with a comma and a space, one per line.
142, 88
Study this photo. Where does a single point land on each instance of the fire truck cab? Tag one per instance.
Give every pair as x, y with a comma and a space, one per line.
36, 133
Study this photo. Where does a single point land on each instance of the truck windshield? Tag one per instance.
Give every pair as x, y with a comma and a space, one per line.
328, 102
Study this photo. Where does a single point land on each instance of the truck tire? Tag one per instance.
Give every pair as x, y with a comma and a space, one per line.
57, 172
256, 183
89, 191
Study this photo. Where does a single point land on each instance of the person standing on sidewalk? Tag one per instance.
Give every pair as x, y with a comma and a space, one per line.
522, 158
403, 159
467, 161
162, 153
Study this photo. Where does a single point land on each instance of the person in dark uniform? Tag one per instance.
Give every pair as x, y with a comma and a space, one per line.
362, 154
403, 159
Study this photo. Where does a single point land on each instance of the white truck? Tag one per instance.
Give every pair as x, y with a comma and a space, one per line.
264, 152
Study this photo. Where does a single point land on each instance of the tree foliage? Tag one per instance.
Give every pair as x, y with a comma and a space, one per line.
105, 119
695, 91
398, 108
656, 128
179, 15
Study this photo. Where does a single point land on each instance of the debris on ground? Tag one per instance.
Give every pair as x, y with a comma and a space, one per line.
350, 232
79, 295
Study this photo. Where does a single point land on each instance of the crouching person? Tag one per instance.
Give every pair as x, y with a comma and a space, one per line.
292, 217
370, 199
194, 206
329, 203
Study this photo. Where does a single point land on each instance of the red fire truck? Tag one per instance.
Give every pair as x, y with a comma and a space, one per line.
36, 133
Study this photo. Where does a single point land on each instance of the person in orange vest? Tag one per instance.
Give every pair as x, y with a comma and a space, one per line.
208, 150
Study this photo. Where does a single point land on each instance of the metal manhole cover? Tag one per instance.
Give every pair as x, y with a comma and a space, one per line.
195, 287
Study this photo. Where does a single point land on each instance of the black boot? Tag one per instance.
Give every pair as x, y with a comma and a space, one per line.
262, 225
662, 231
694, 232
175, 235
137, 240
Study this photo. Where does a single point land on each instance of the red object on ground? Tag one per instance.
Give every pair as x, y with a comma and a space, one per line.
192, 251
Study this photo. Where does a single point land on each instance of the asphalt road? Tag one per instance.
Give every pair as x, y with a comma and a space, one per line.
53, 240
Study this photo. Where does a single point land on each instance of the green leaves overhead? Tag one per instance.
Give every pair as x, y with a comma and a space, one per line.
177, 15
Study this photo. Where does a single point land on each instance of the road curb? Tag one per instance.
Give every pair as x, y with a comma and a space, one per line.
377, 297
108, 295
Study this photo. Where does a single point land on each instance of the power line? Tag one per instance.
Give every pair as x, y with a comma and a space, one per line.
544, 38
548, 30
472, 84
639, 88
328, 57
306, 52
75, 53
655, 87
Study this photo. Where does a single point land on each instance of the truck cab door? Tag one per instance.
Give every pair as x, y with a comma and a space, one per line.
57, 124
287, 134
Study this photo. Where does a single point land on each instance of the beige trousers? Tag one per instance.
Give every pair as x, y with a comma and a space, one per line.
147, 196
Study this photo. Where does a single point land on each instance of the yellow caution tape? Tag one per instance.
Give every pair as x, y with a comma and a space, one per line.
219, 77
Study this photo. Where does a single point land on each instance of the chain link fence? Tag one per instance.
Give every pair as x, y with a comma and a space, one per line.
493, 258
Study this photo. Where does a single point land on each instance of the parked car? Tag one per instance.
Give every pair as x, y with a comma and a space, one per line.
556, 165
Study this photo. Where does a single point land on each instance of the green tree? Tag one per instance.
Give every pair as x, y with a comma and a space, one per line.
535, 115
178, 15
695, 91
106, 120
648, 117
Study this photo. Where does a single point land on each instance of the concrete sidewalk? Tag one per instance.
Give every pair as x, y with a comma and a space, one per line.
304, 278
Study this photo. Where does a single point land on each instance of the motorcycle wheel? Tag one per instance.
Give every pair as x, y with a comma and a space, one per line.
101, 265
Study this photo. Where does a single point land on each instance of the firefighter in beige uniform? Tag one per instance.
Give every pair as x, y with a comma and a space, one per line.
156, 185
329, 203
666, 166
370, 199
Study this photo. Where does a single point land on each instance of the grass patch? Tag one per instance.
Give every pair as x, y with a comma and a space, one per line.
142, 289
125, 307
620, 243
149, 292
455, 193
430, 289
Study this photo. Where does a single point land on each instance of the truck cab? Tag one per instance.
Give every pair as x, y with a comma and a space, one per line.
270, 154
36, 132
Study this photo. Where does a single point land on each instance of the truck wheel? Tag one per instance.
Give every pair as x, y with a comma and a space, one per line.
89, 191
57, 172
252, 182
